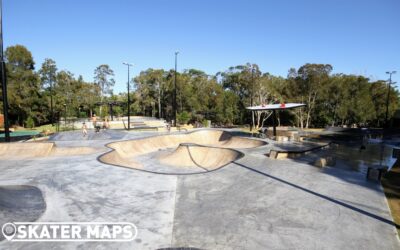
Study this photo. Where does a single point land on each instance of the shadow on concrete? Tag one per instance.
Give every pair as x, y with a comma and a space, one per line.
343, 204
20, 203
352, 162
180, 248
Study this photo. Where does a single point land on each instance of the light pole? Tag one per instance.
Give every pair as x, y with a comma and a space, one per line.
251, 97
51, 103
65, 116
129, 100
4, 79
174, 104
387, 98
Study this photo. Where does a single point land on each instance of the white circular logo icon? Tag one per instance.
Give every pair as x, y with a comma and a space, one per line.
9, 230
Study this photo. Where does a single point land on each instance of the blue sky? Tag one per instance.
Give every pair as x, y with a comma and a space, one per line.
355, 37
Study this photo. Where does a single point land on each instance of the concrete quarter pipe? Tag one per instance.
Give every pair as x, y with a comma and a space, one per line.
195, 152
29, 150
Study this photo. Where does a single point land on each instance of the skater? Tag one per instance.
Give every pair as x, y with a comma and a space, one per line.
95, 125
94, 120
84, 129
105, 124
168, 127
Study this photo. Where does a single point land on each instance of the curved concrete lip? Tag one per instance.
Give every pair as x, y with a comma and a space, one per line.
194, 152
31, 150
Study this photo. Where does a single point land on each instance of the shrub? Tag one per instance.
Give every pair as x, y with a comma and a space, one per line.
183, 118
30, 123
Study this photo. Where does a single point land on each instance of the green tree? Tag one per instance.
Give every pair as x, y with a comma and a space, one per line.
305, 86
150, 86
379, 91
23, 85
48, 74
331, 99
88, 97
103, 78
183, 117
243, 81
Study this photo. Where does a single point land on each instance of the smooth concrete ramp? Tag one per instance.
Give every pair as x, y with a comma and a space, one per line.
22, 150
28, 150
208, 151
204, 157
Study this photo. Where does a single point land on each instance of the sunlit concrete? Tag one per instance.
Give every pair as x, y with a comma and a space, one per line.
252, 203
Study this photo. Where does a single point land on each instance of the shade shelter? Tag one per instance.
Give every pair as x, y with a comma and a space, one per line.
274, 108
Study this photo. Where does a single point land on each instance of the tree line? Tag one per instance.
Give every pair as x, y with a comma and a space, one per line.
331, 99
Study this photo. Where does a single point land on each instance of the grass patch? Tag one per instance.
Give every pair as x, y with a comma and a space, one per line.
391, 185
48, 128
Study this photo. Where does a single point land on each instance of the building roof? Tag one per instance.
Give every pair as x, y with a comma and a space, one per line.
276, 106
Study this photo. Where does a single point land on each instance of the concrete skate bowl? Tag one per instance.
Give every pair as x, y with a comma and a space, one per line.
20, 203
188, 153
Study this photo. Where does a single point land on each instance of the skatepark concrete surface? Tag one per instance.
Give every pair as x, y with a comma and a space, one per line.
252, 202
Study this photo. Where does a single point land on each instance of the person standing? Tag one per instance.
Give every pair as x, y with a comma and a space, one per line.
84, 129
94, 122
168, 127
105, 124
